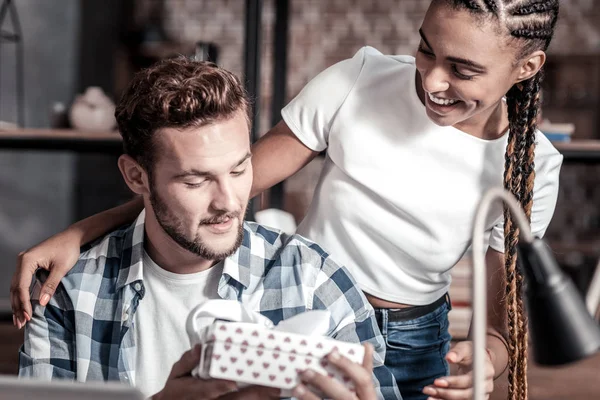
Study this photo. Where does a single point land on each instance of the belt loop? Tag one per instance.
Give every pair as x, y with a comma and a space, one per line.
448, 301
384, 321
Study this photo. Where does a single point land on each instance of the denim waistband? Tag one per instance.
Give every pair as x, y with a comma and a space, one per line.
406, 314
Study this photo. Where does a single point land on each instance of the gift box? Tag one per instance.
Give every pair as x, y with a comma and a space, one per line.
254, 352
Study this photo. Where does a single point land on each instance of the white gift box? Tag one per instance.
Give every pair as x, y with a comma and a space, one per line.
253, 352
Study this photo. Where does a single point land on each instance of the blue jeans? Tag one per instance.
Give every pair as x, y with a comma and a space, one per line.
415, 349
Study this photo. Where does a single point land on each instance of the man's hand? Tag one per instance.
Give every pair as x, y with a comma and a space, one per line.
57, 254
182, 385
361, 376
460, 386
253, 393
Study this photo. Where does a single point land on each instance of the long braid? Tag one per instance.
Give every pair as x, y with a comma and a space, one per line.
518, 101
532, 22
512, 183
523, 102
527, 203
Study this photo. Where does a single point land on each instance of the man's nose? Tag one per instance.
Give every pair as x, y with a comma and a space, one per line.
224, 198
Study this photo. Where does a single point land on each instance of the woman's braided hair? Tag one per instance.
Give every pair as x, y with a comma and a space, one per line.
530, 24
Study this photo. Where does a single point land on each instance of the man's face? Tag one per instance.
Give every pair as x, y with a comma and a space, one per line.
200, 184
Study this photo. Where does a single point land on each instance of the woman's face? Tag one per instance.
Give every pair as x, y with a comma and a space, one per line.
465, 64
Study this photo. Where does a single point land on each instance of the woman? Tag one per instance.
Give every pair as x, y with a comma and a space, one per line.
411, 146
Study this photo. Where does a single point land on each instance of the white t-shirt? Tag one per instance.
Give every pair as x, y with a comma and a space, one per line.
396, 199
160, 318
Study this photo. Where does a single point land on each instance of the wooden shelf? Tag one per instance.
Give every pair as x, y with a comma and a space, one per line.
58, 134
111, 142
578, 145
61, 140
585, 151
586, 247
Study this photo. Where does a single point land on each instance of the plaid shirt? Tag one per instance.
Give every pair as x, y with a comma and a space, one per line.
86, 331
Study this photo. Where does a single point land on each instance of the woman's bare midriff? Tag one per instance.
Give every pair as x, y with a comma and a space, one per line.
376, 302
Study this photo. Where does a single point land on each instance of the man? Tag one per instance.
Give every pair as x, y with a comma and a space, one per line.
120, 313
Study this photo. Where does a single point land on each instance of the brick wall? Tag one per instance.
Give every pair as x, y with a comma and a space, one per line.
324, 32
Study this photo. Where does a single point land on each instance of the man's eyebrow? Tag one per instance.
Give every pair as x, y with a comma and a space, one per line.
203, 174
457, 60
243, 160
192, 172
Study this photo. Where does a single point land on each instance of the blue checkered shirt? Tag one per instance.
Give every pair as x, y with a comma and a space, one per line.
85, 333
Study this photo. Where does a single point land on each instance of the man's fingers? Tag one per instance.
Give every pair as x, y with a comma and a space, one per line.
361, 376
332, 388
213, 388
301, 392
193, 388
186, 363
253, 393
368, 360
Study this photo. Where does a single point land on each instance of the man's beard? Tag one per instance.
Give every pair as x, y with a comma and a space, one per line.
173, 227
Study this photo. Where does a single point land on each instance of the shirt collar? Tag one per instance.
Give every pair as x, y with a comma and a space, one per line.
132, 253
237, 266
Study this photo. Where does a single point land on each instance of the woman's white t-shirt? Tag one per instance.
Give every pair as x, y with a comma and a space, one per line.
396, 199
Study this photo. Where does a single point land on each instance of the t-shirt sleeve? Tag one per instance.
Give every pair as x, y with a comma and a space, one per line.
545, 194
311, 113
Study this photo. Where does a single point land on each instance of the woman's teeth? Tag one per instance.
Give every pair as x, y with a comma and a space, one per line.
442, 102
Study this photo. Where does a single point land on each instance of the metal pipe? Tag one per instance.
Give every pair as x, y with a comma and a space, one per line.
280, 46
479, 296
252, 59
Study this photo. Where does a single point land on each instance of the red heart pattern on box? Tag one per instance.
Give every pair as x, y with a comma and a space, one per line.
245, 353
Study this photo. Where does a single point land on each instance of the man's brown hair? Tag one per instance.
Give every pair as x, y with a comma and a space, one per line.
175, 93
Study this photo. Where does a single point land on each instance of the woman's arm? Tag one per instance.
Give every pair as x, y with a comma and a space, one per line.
276, 156
59, 253
496, 311
461, 385
97, 225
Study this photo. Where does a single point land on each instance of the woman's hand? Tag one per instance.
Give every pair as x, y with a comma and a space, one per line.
361, 376
460, 386
58, 255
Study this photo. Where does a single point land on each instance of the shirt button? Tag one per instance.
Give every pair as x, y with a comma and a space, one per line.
137, 286
125, 316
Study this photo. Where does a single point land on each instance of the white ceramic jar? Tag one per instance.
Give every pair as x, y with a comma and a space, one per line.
93, 111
